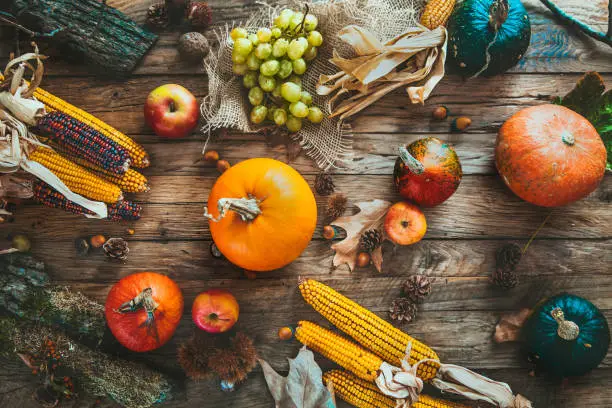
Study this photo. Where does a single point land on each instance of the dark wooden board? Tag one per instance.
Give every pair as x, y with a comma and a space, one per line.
573, 251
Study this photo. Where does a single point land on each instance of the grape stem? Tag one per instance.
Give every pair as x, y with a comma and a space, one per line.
300, 27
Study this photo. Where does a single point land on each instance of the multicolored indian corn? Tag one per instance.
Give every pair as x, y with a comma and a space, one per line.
336, 348
46, 195
372, 332
365, 394
84, 141
77, 178
52, 103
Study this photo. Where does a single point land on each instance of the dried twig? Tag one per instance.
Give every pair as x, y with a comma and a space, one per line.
606, 38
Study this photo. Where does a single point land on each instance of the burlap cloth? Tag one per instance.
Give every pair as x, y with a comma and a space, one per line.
330, 142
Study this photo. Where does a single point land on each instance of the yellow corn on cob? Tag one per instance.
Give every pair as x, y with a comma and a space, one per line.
77, 178
372, 332
53, 103
436, 13
341, 351
365, 394
130, 182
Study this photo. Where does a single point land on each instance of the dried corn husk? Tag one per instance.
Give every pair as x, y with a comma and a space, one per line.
417, 55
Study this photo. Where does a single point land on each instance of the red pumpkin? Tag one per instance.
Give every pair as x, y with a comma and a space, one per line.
143, 310
550, 155
427, 172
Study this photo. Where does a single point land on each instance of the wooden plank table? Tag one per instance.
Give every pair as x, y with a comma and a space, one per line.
572, 252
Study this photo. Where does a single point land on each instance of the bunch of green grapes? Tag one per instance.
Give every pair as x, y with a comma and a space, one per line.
271, 63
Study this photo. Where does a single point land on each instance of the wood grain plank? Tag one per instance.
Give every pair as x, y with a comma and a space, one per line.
435, 258
483, 207
491, 101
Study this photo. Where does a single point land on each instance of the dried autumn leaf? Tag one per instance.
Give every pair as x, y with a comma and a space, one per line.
509, 326
303, 387
371, 216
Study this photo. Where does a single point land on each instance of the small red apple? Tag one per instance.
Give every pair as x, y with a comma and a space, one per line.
215, 311
405, 223
172, 111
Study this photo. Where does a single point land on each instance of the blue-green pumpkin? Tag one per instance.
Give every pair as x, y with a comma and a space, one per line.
568, 335
488, 37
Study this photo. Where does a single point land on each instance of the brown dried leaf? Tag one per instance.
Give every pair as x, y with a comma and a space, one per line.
302, 388
371, 216
509, 326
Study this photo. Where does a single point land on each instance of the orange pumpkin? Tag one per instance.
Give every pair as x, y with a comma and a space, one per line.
262, 214
550, 155
143, 310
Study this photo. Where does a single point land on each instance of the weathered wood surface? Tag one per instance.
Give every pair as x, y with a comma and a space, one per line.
573, 251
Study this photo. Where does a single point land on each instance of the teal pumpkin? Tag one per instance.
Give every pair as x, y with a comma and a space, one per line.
568, 335
488, 37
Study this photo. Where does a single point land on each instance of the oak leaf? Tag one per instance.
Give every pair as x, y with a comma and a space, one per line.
303, 387
371, 216
509, 326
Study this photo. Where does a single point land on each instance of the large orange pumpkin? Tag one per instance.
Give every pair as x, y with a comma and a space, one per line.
550, 155
143, 310
262, 214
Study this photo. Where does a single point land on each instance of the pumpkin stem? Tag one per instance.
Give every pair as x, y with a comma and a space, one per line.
247, 208
567, 329
144, 300
498, 13
410, 161
568, 138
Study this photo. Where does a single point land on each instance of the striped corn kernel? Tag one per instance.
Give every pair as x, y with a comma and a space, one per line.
81, 140
341, 351
437, 13
137, 153
372, 332
77, 178
130, 182
46, 195
365, 394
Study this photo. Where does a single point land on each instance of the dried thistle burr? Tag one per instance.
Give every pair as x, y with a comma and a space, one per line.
416, 288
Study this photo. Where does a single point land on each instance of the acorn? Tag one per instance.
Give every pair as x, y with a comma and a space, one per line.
440, 113
460, 124
211, 156
193, 46
329, 232
97, 241
285, 333
223, 165
363, 259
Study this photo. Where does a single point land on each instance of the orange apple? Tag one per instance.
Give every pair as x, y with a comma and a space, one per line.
405, 223
171, 111
215, 311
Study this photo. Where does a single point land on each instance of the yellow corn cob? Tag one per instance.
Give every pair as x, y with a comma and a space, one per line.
436, 13
130, 182
365, 394
53, 103
77, 178
341, 351
372, 332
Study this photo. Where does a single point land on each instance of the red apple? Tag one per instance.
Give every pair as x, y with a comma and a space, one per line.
172, 111
405, 223
215, 311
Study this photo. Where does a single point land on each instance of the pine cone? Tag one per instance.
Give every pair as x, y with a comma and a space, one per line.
116, 248
199, 15
157, 16
417, 287
403, 310
507, 259
336, 206
370, 240
324, 184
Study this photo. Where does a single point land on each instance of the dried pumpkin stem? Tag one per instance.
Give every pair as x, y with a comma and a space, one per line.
247, 208
409, 160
